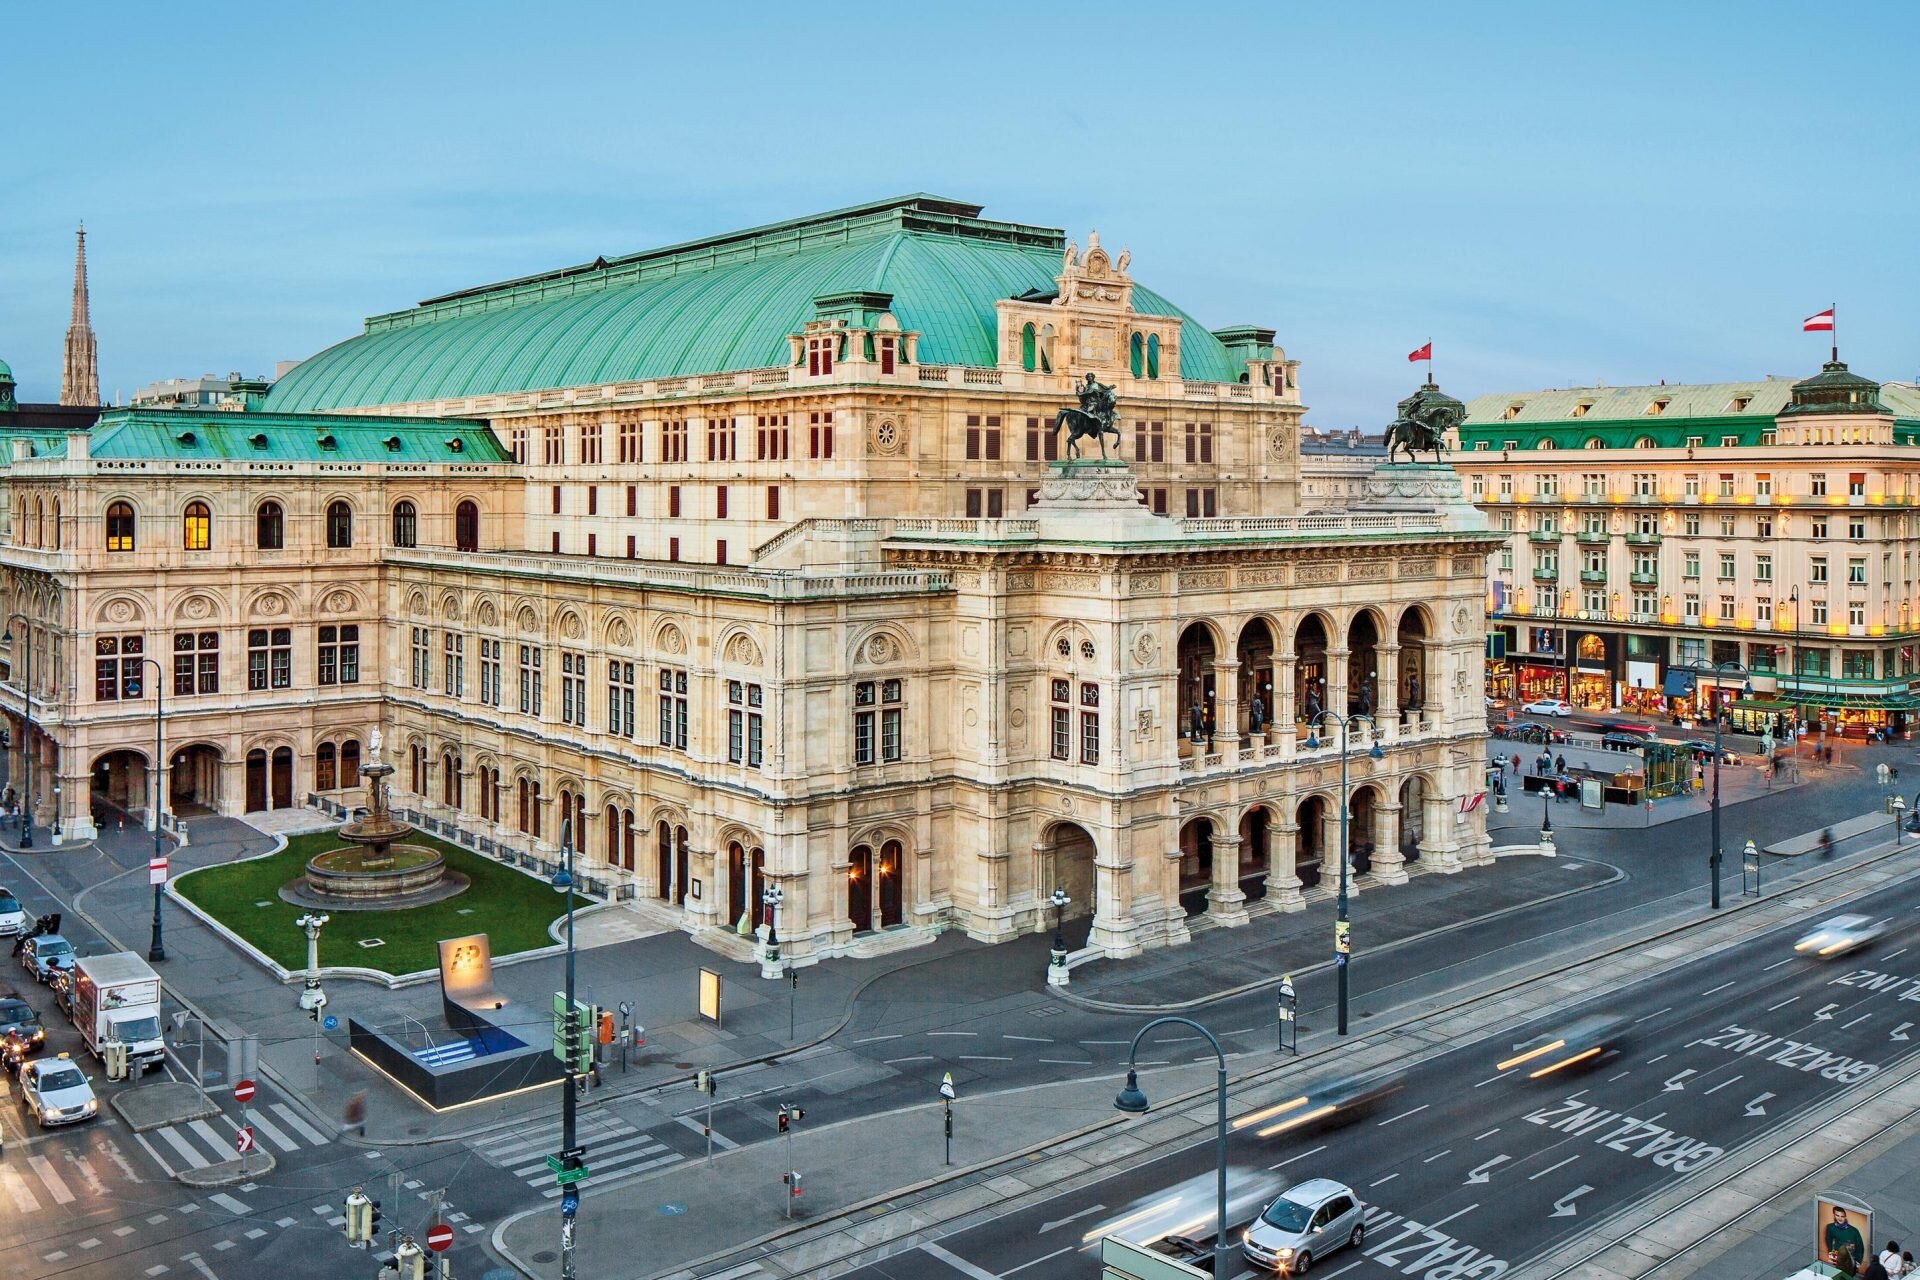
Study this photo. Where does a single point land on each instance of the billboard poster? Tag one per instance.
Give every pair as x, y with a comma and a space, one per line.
1842, 1224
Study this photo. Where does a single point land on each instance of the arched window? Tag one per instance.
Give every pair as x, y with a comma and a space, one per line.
339, 523
324, 778
39, 523
120, 526
1046, 349
466, 526
1027, 343
196, 527
1153, 355
56, 524
270, 527
406, 523
350, 763
1137, 354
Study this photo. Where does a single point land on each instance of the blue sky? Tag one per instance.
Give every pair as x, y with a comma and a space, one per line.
1555, 194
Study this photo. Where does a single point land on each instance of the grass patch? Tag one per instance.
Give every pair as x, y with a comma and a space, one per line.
513, 909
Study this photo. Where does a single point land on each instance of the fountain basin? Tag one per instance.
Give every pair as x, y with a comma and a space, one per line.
358, 878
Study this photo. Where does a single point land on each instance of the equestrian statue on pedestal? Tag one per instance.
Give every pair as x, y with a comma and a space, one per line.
1425, 418
1094, 418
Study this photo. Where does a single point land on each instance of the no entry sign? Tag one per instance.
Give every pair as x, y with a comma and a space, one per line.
243, 1091
243, 1140
156, 870
440, 1238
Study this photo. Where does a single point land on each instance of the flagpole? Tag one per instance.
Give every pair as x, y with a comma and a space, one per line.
1430, 362
1836, 332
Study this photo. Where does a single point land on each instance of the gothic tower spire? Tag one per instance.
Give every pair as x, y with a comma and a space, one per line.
80, 380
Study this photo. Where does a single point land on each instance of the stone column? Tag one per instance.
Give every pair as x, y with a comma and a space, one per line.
1286, 705
1226, 702
1437, 846
1334, 698
1283, 882
1115, 931
75, 797
1226, 904
707, 867
1389, 864
1386, 691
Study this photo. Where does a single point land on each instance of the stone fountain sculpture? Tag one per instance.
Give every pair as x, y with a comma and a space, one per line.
376, 867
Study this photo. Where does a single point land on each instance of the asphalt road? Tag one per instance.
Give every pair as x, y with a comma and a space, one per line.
1472, 1170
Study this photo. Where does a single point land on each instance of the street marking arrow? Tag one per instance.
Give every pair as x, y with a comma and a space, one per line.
1061, 1222
1563, 1207
1900, 1032
1825, 1012
1479, 1173
1673, 1082
1754, 1108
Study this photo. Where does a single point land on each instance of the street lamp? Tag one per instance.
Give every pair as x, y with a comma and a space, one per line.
1899, 812
1713, 860
1057, 958
1133, 1101
1342, 938
563, 883
770, 963
26, 733
312, 998
156, 948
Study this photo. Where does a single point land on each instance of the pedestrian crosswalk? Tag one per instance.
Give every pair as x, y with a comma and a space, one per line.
195, 1144
616, 1151
59, 1177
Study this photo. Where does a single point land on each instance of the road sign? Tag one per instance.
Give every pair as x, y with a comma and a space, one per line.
156, 870
243, 1140
440, 1237
330, 1022
946, 1085
243, 1091
569, 1204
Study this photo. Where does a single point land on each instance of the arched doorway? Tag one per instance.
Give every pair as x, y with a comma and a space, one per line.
1310, 667
281, 774
1067, 863
1412, 635
1413, 817
120, 782
1363, 663
892, 876
1362, 818
1256, 846
326, 767
1199, 699
256, 780
1196, 864
1310, 845
860, 888
620, 838
670, 862
193, 784
1255, 649
736, 883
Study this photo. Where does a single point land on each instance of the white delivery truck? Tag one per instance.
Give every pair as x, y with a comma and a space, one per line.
116, 997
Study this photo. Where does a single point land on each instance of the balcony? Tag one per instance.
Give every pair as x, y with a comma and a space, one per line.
1643, 539
1545, 575
1594, 577
1544, 535
1593, 537
1644, 579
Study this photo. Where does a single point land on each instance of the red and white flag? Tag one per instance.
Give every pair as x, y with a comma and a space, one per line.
1469, 803
1424, 353
1817, 323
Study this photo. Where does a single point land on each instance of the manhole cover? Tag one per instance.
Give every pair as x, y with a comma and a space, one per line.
1043, 1011
416, 1130
545, 1255
683, 1066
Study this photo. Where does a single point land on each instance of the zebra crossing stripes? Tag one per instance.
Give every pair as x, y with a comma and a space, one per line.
195, 1144
615, 1151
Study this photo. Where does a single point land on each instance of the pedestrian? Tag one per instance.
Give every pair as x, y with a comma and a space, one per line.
1906, 1262
1890, 1258
1826, 843
1560, 763
1516, 764
1893, 774
1874, 1270
354, 1114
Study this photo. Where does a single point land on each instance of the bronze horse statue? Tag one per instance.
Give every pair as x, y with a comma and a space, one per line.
1092, 420
1425, 418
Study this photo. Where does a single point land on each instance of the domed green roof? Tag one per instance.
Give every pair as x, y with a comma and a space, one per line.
6, 374
714, 305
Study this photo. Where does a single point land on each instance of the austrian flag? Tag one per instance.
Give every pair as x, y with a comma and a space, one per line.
1424, 353
1815, 323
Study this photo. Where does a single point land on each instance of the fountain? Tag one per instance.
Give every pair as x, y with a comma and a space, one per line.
376, 868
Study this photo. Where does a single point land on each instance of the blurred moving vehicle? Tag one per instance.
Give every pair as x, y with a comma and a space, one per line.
1589, 1039
1326, 1103
1530, 732
1633, 727
1838, 936
1547, 707
1704, 749
1305, 1222
55, 1091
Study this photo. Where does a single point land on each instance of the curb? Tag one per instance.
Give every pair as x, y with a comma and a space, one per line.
1108, 1006
200, 1110
1025, 1156
257, 1164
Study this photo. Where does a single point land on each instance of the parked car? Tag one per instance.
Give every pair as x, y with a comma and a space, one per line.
55, 1091
1704, 749
13, 918
1305, 1223
41, 955
19, 1022
1548, 707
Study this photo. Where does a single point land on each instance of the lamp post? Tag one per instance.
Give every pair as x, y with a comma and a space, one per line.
1133, 1101
1713, 860
26, 733
1057, 958
1899, 807
569, 1159
770, 898
1342, 937
1793, 675
156, 947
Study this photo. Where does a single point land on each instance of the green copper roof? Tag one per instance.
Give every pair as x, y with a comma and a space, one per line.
713, 305
5, 372
286, 437
1580, 407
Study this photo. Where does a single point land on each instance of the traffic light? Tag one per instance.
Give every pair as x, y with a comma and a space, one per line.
783, 1119
605, 1019
360, 1214
373, 1221
704, 1083
411, 1259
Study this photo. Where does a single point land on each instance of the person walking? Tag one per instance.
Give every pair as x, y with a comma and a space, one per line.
1890, 1259
1826, 843
1560, 763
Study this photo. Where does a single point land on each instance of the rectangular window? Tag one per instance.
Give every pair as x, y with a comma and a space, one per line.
629, 441
820, 356
673, 709
1763, 484
885, 348
673, 501
593, 499
1726, 608
590, 442
820, 434
973, 437
1857, 615
421, 668
745, 735
1819, 528
1726, 568
1692, 608
518, 438
117, 668
673, 440
1763, 526
1690, 565
620, 699
454, 660
1149, 442
270, 657
633, 499
720, 502
1062, 730
877, 730
1763, 613
1857, 529
489, 672
532, 681
771, 437
974, 504
573, 689
720, 440
720, 551
630, 546
1199, 441
1726, 484
773, 502
673, 548
1692, 526
1763, 568
1817, 612
1817, 569
196, 663
1817, 485
1857, 570
1089, 723
1857, 484
556, 445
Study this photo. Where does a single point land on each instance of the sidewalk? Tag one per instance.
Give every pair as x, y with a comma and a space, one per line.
1221, 962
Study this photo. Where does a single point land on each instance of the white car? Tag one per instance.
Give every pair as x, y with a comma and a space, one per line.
13, 919
1305, 1223
55, 1091
1839, 935
1548, 707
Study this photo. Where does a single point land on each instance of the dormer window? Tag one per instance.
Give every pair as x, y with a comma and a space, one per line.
258, 440
1582, 409
328, 443
392, 443
820, 355
456, 445
1513, 410
884, 346
1739, 404
186, 438
1658, 407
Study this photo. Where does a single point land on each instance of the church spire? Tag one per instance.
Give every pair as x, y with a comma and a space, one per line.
80, 380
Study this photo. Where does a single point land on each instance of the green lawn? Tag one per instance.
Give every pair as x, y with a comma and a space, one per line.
512, 908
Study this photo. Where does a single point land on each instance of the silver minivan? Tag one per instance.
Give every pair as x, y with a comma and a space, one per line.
1306, 1222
